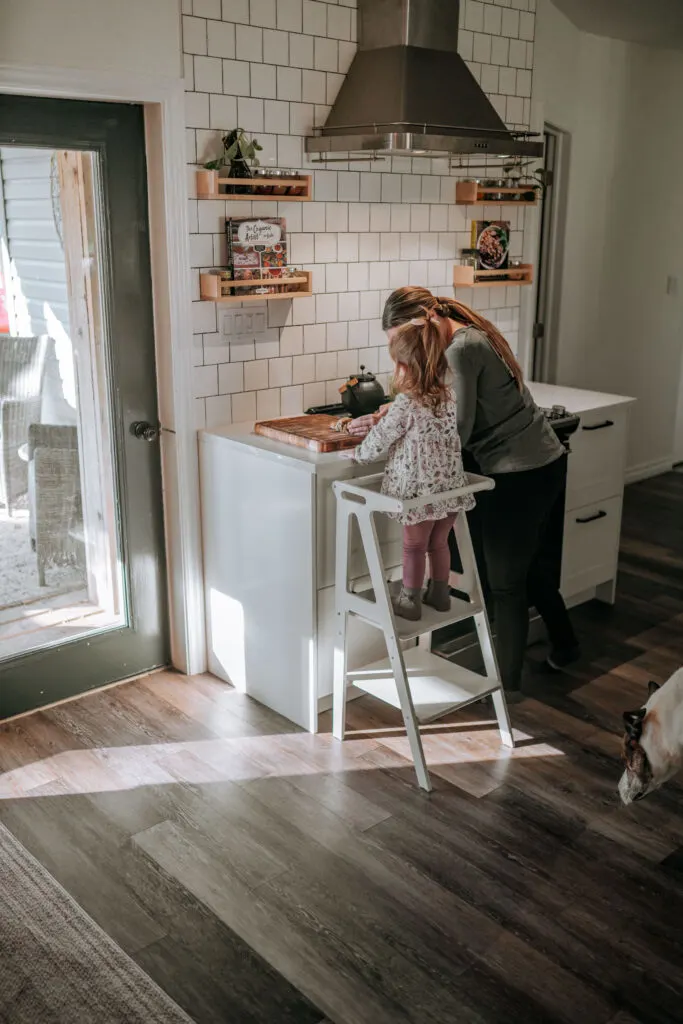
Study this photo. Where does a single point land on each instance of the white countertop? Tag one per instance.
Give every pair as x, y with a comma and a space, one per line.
545, 395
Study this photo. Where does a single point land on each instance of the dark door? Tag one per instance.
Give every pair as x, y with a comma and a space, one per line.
81, 528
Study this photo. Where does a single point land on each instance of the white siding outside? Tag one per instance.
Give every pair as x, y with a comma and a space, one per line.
37, 289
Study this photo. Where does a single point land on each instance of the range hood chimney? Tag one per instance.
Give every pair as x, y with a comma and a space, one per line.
408, 91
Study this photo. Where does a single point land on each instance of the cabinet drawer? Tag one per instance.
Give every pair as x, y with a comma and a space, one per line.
390, 534
590, 547
598, 453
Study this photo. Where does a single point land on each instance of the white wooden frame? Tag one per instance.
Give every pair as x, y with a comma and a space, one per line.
164, 105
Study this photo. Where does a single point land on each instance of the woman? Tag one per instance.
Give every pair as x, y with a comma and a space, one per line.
510, 440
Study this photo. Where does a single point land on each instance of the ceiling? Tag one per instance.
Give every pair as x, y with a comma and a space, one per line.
650, 22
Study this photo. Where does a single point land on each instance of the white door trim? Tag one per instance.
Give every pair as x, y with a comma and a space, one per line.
164, 102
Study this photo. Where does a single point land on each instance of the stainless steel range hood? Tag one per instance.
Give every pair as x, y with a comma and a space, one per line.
409, 92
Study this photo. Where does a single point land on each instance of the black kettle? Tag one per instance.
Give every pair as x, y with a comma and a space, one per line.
362, 394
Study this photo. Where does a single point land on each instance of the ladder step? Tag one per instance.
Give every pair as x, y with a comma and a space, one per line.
437, 686
431, 619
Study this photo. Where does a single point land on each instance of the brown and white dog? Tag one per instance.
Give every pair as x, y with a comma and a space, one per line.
653, 740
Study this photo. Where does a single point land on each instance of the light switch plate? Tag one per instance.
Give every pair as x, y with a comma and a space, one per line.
244, 324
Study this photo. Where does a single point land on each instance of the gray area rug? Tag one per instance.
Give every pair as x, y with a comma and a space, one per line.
57, 966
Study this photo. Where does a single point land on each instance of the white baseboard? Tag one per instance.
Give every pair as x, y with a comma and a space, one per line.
644, 470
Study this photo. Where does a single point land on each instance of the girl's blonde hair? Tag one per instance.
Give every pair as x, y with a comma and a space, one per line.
407, 304
420, 350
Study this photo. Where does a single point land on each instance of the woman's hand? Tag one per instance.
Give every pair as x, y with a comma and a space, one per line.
364, 424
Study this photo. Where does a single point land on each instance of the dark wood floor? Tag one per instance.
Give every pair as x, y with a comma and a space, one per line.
263, 875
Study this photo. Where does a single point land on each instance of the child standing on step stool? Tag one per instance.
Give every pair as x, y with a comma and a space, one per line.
419, 437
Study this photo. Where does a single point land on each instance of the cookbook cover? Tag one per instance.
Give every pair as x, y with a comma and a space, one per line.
491, 239
255, 244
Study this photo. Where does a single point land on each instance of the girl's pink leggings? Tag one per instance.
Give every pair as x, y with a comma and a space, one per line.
422, 539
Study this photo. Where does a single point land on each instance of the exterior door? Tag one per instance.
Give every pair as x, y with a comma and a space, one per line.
82, 580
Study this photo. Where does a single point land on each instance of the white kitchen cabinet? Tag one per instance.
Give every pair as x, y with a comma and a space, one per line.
268, 516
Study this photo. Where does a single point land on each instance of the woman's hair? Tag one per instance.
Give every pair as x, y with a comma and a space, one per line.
406, 304
420, 349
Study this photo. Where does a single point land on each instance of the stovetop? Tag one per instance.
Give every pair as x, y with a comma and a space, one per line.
562, 421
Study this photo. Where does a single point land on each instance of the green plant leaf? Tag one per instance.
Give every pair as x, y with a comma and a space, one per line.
212, 165
231, 153
257, 145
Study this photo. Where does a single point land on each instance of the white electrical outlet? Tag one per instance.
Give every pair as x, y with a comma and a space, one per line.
244, 325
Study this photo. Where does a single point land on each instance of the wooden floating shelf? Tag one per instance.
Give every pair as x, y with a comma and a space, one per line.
469, 193
468, 277
209, 184
213, 288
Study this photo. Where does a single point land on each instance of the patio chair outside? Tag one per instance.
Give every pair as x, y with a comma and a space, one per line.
22, 366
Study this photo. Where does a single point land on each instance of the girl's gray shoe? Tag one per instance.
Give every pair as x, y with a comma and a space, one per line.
438, 595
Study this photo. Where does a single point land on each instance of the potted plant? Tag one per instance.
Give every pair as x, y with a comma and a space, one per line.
239, 153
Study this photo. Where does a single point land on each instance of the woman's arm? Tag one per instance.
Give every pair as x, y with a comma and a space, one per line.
464, 384
389, 429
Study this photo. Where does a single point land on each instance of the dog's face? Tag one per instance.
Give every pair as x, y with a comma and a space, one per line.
651, 752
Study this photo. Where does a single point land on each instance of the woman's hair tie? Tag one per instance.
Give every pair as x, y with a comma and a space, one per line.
420, 321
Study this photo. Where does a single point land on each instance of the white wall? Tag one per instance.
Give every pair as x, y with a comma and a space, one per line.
619, 331
137, 36
274, 68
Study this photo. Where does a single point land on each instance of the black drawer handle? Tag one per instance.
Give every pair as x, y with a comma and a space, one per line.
600, 426
591, 519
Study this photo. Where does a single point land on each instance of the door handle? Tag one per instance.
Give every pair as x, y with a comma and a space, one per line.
591, 519
144, 431
600, 426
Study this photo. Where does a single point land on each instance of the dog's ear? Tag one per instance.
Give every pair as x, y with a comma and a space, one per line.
652, 687
633, 723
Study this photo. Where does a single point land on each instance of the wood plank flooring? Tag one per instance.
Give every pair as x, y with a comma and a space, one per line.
259, 874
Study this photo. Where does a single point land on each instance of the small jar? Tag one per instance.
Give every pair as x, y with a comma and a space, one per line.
469, 258
262, 187
296, 189
278, 189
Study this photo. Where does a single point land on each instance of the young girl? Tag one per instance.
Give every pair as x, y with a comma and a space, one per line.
419, 436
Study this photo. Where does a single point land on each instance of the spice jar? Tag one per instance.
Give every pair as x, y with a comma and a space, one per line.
278, 189
262, 187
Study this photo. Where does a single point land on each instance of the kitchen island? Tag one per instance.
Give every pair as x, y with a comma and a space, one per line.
268, 517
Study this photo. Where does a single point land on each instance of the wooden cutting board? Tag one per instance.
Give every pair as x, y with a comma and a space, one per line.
313, 432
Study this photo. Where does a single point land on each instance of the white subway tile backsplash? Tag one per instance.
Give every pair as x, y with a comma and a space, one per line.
337, 277
336, 216
314, 85
326, 308
510, 26
526, 26
250, 114
204, 381
221, 39
263, 81
500, 50
292, 401
194, 35
274, 67
289, 15
347, 247
314, 18
289, 84
244, 407
349, 306
313, 217
315, 338
262, 12
301, 118
325, 248
301, 54
358, 276
380, 217
256, 375
348, 186
369, 305
302, 248
291, 340
267, 404
249, 42
368, 247
517, 53
338, 22
370, 187
337, 336
303, 310
236, 77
